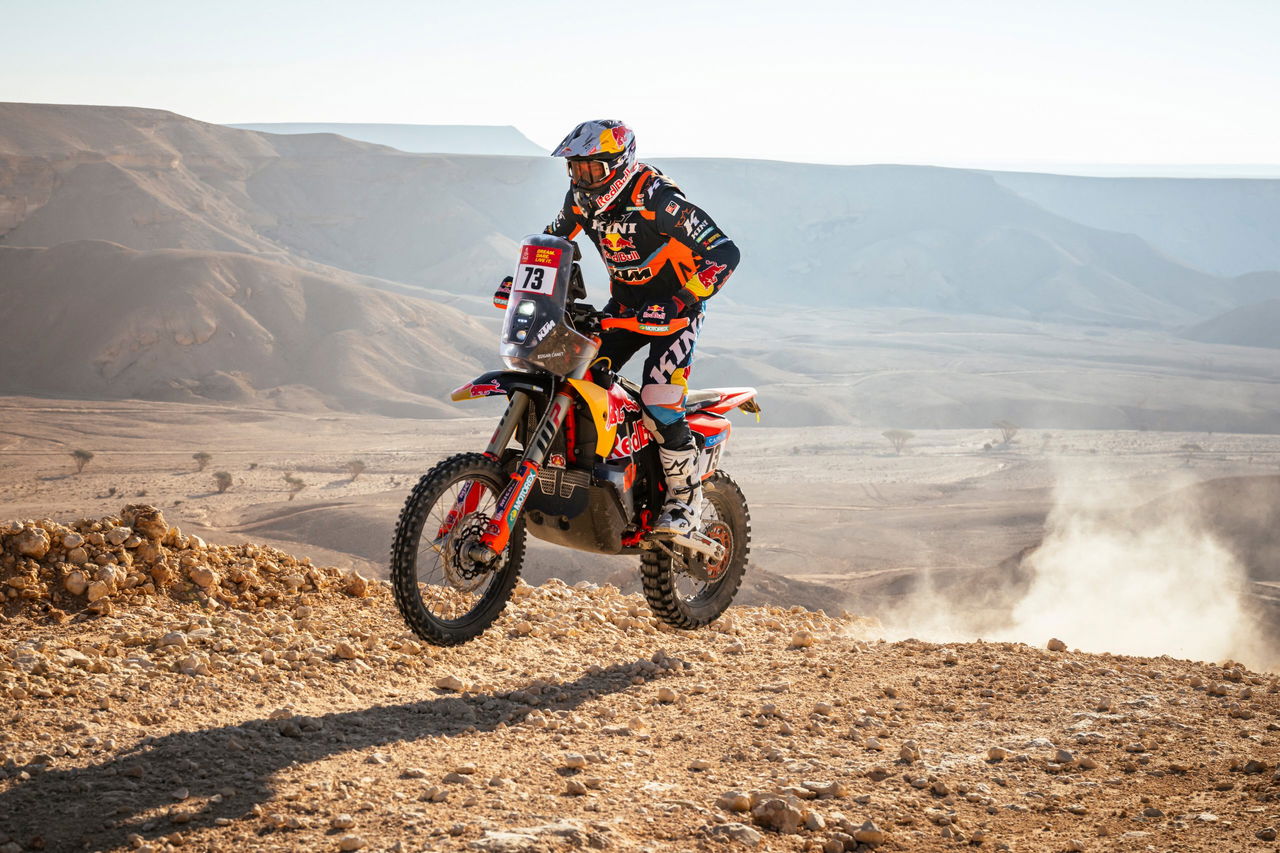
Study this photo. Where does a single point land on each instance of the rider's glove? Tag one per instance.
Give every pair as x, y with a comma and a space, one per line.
614, 308
502, 295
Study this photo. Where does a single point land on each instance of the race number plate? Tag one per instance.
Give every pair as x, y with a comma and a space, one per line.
537, 270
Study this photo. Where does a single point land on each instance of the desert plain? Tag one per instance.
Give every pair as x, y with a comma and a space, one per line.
887, 681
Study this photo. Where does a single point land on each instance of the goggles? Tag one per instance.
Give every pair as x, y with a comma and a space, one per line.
588, 173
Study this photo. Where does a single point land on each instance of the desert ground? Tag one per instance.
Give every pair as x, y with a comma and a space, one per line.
847, 704
838, 515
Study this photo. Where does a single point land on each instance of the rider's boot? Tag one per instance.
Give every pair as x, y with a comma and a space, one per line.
682, 512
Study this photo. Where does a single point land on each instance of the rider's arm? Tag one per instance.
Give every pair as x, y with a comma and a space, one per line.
568, 222
689, 225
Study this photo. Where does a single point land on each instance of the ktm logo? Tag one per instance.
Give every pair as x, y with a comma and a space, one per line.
633, 275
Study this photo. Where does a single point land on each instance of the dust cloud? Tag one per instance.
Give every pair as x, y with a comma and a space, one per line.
1126, 567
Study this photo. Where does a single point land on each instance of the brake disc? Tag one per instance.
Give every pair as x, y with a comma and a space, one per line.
463, 573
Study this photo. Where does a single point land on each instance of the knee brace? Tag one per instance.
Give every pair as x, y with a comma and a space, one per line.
664, 415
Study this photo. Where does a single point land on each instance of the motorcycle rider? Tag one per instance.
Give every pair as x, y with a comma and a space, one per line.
665, 258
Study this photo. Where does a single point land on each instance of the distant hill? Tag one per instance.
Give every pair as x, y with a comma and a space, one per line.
419, 138
95, 320
202, 215
1223, 226
1248, 326
878, 236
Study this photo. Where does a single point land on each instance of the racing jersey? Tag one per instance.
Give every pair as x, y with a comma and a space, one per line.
654, 242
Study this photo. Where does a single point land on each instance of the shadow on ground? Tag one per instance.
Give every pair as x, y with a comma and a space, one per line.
100, 806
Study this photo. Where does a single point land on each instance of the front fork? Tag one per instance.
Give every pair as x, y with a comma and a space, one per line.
511, 502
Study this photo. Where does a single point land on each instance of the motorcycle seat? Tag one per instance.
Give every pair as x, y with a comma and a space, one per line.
717, 400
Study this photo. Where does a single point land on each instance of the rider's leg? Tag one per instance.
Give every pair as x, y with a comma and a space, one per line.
666, 373
616, 348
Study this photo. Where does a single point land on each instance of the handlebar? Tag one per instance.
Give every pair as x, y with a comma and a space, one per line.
635, 324
590, 321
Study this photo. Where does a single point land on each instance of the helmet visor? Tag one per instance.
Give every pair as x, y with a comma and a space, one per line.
588, 174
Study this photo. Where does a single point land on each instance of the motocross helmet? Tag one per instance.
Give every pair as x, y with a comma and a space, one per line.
598, 153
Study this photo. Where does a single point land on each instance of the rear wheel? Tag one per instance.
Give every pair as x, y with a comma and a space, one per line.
446, 597
691, 597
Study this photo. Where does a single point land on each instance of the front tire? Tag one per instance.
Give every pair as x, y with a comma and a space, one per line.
446, 598
683, 601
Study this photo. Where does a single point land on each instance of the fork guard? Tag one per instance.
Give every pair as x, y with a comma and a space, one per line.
503, 382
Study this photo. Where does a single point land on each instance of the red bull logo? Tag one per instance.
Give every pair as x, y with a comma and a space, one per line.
484, 389
620, 402
629, 445
711, 274
615, 242
613, 140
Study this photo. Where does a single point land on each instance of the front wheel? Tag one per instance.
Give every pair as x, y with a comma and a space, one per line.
446, 597
694, 596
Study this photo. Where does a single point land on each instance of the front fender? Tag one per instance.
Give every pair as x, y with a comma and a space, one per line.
504, 382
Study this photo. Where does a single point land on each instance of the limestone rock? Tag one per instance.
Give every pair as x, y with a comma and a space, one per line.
146, 521
356, 585
451, 683
779, 815
203, 577
75, 583
869, 833
734, 801
801, 640
31, 542
739, 832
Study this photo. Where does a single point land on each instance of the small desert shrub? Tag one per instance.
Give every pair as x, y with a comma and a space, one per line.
355, 467
202, 460
222, 481
253, 466
295, 484
898, 438
81, 458
1008, 429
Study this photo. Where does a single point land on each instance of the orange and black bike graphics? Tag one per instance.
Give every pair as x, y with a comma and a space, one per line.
573, 461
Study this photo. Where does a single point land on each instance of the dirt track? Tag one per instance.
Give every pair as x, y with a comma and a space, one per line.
316, 722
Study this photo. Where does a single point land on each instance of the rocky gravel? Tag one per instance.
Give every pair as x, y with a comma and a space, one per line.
210, 698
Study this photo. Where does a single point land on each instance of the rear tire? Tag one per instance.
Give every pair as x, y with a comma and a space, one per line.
725, 506
444, 597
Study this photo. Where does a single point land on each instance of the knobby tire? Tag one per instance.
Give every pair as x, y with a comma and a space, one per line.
434, 485
659, 577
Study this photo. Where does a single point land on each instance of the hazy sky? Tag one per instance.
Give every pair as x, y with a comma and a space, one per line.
905, 81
